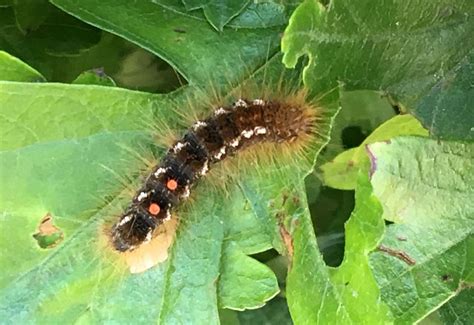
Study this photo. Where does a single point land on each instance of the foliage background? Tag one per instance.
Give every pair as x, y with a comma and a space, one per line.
79, 76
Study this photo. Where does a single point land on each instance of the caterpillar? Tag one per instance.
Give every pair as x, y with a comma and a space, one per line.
227, 131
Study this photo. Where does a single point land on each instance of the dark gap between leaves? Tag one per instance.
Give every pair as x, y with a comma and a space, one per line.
352, 136
330, 209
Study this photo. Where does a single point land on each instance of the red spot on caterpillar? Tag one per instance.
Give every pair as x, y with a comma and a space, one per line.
154, 209
172, 185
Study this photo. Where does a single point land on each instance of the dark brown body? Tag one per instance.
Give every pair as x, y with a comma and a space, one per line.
207, 142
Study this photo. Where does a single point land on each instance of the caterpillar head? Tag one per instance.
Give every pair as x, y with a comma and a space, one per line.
134, 228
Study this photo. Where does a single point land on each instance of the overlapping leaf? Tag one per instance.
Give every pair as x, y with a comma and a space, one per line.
407, 48
342, 172
12, 69
427, 255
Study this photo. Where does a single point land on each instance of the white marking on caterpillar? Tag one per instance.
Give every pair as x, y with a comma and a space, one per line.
159, 171
259, 102
205, 168
221, 153
260, 130
142, 195
148, 235
125, 220
247, 133
186, 193
198, 125
234, 143
220, 111
178, 146
168, 215
240, 103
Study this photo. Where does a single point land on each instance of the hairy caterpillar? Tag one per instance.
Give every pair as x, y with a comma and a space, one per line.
209, 141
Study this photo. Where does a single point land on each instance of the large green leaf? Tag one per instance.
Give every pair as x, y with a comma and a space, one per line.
349, 293
410, 49
208, 260
426, 257
63, 174
180, 39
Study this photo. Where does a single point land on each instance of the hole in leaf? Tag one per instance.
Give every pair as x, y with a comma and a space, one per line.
352, 136
48, 235
330, 209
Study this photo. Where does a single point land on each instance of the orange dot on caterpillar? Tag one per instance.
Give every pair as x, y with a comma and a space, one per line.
172, 185
154, 209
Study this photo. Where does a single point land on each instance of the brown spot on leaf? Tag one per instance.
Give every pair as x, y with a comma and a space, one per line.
287, 240
398, 254
47, 234
296, 200
285, 198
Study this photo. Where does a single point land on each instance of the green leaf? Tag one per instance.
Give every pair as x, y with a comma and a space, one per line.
447, 109
94, 77
459, 309
218, 13
74, 172
30, 14
238, 285
354, 280
424, 169
342, 171
349, 293
13, 69
6, 3
402, 47
262, 14
255, 15
179, 39
48, 112
426, 257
